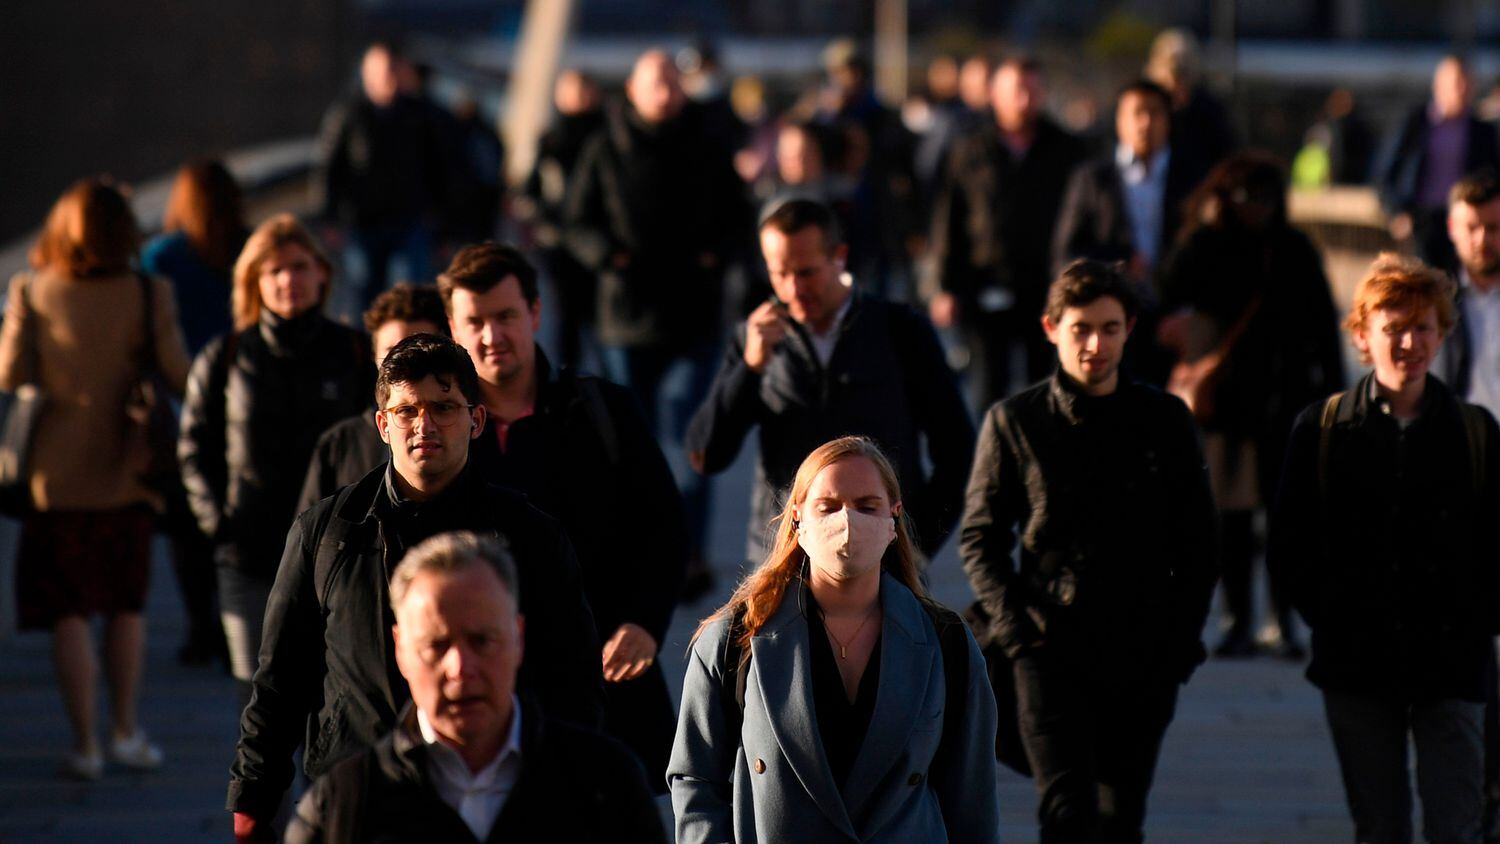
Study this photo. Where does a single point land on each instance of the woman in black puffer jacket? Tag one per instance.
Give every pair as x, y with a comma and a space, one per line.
257, 399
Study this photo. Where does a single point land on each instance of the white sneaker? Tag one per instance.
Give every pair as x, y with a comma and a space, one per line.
83, 766
136, 752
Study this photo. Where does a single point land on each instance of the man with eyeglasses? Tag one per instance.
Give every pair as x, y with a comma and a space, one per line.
326, 667
580, 449
349, 449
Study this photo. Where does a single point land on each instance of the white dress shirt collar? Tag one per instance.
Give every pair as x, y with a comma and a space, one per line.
1481, 321
477, 796
823, 343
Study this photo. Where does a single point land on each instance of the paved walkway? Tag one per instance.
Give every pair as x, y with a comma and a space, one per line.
1247, 760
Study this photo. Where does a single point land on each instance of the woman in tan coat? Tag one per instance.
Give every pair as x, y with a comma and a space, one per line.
75, 327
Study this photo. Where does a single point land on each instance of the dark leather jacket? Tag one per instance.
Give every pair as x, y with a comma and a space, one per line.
575, 786
1109, 499
327, 668
249, 423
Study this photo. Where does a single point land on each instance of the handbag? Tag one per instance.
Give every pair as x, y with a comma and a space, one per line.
1196, 380
20, 412
1009, 749
151, 433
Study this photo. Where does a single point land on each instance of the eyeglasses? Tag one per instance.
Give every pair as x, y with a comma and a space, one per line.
441, 413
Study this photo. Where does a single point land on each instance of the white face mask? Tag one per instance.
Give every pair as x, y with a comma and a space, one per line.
846, 544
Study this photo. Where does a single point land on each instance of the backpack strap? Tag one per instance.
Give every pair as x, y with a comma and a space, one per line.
1331, 407
333, 538
598, 412
1474, 433
734, 664
953, 641
734, 667
149, 361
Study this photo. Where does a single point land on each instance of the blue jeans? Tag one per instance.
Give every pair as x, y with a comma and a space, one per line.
1370, 736
408, 246
242, 603
681, 380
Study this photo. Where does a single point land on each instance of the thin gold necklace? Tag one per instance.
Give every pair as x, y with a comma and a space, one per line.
844, 646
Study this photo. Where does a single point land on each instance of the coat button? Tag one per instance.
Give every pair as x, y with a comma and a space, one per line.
914, 779
760, 766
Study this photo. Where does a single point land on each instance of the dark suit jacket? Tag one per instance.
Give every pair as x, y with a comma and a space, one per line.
1400, 174
575, 785
887, 380
1093, 222
1455, 363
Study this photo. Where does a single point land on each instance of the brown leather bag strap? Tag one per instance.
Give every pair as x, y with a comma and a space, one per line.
149, 360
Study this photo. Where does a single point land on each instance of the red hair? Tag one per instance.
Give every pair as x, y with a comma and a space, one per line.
90, 231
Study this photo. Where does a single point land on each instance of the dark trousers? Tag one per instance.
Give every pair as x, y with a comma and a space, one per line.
639, 713
1371, 735
1237, 543
197, 578
574, 285
407, 243
994, 338
1092, 743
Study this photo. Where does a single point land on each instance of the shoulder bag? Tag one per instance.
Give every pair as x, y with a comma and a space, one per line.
20, 411
151, 433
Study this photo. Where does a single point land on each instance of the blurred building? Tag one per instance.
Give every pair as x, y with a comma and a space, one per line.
135, 88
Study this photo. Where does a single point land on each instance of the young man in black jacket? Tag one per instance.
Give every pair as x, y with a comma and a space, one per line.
1102, 483
1384, 528
325, 672
472, 758
349, 449
822, 360
578, 446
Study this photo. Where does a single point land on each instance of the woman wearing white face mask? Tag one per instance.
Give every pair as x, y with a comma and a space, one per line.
830, 699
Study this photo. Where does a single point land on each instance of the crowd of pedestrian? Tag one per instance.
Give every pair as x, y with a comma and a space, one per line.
440, 560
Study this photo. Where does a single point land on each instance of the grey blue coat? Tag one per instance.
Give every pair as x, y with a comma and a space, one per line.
773, 783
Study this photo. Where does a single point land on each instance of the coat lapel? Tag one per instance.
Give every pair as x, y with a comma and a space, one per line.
907, 653
782, 661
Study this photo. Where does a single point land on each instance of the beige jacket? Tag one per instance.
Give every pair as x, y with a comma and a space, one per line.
89, 350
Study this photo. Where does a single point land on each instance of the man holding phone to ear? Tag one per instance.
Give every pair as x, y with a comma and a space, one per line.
821, 360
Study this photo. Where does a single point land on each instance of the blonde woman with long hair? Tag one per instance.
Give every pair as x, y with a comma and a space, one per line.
830, 698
